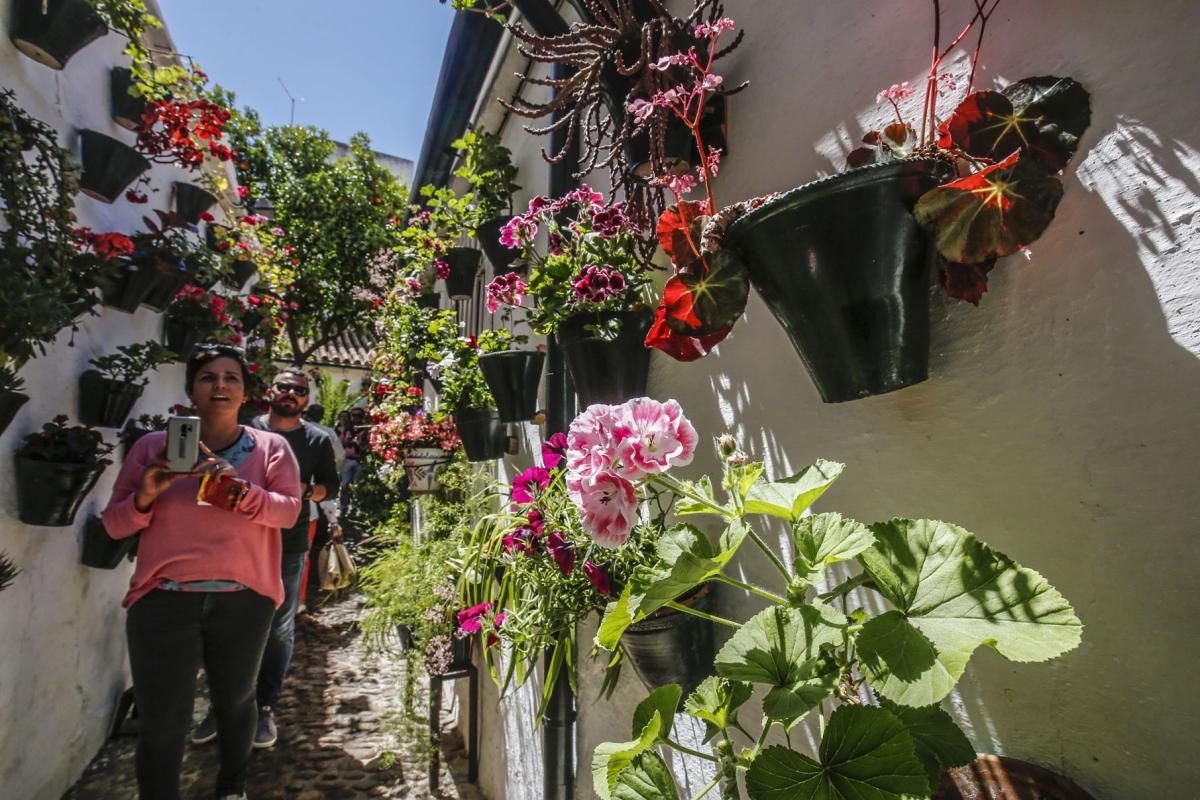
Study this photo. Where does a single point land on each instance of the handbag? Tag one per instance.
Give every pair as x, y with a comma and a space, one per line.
337, 567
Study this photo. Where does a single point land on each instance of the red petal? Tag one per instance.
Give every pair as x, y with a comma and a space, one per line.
679, 346
673, 232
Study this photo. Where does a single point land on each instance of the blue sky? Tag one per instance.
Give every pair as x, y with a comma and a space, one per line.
368, 65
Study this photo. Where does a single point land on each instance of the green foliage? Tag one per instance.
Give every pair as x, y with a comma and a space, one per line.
335, 397
132, 361
463, 385
497, 340
487, 166
410, 338
58, 442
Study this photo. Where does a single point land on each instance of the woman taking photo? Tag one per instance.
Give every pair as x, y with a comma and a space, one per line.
207, 578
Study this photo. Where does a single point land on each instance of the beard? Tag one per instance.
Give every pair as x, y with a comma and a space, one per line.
286, 410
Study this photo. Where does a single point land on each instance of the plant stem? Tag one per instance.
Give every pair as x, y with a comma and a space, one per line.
770, 554
690, 751
708, 787
774, 598
711, 618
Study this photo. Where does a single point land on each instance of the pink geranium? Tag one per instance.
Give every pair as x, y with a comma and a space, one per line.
505, 290
607, 505
529, 484
591, 447
652, 437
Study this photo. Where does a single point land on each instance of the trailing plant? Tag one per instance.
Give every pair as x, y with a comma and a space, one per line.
58, 442
392, 437
461, 380
133, 361
10, 381
172, 241
487, 167
410, 339
8, 571
820, 643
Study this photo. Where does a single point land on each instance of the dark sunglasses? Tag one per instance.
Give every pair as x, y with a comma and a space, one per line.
299, 391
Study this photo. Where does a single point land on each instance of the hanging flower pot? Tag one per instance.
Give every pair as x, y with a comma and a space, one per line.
109, 166
844, 267
191, 201
51, 31
464, 267
104, 401
243, 270
424, 466
128, 291
250, 321
101, 551
482, 433
169, 276
10, 404
180, 338
50, 492
488, 235
671, 646
126, 108
430, 300
513, 377
606, 371
404, 638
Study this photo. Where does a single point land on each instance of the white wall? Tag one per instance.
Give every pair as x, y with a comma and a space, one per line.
63, 662
1060, 419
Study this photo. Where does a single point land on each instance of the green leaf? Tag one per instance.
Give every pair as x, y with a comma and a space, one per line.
790, 497
686, 506
611, 758
779, 645
823, 539
939, 742
866, 754
788, 705
716, 702
685, 560
647, 778
957, 594
661, 703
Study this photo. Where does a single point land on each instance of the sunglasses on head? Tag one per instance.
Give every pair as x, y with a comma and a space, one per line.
299, 391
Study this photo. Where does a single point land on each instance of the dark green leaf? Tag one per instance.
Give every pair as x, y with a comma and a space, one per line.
823, 539
939, 742
1060, 110
779, 645
662, 702
611, 758
788, 705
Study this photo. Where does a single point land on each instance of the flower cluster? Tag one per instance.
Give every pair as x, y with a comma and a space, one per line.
182, 132
610, 447
389, 438
507, 290
107, 246
598, 285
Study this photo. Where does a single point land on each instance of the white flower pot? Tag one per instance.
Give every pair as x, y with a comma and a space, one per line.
424, 465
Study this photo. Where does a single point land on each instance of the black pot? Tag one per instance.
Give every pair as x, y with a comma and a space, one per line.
108, 166
607, 372
104, 401
460, 652
464, 267
128, 291
844, 267
430, 300
513, 377
404, 638
673, 647
63, 30
250, 321
482, 433
191, 201
101, 551
168, 278
243, 270
488, 236
127, 109
10, 404
50, 492
180, 338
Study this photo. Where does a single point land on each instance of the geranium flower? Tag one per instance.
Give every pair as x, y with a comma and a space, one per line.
505, 290
562, 551
607, 505
597, 285
553, 450
529, 484
590, 444
597, 575
441, 269
470, 620
652, 437
136, 197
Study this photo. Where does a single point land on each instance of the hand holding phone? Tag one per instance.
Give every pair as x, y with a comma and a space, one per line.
183, 443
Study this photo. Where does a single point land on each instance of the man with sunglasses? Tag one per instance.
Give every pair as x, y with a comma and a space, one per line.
313, 448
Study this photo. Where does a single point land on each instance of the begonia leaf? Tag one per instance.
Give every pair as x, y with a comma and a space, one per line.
952, 594
964, 281
939, 742
707, 297
679, 346
992, 213
1060, 110
675, 226
779, 646
894, 142
866, 753
646, 778
788, 498
986, 126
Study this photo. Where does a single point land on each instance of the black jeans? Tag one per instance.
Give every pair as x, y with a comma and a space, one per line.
170, 633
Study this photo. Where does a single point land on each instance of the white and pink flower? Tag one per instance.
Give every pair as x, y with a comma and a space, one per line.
607, 506
652, 437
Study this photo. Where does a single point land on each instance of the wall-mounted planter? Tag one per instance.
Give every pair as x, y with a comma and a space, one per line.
109, 166
250, 320
242, 271
128, 291
671, 646
101, 551
845, 269
169, 276
607, 371
464, 267
10, 404
50, 492
191, 201
423, 466
104, 401
129, 436
51, 31
429, 300
488, 236
482, 433
180, 338
127, 108
513, 377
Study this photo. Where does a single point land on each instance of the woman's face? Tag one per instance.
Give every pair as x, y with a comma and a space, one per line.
218, 390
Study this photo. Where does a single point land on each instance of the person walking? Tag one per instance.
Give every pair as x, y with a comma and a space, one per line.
288, 396
206, 581
325, 513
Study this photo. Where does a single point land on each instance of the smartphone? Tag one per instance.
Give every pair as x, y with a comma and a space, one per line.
183, 443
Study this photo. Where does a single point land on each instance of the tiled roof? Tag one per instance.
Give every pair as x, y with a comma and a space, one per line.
353, 350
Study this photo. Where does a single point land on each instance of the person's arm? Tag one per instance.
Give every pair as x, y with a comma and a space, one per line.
143, 477
276, 503
326, 477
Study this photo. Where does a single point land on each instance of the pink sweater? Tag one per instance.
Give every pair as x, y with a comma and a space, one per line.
183, 541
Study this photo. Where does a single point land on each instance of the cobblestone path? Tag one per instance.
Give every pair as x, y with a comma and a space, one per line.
334, 739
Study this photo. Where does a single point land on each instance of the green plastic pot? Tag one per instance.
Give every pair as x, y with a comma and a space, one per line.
180, 338
98, 550
52, 36
109, 166
464, 267
482, 433
513, 377
191, 201
671, 646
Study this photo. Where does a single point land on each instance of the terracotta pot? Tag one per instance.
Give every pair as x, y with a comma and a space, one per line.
1003, 778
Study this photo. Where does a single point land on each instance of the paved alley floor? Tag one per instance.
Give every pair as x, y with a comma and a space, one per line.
335, 740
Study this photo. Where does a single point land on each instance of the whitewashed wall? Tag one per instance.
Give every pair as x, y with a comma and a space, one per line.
63, 661
1060, 419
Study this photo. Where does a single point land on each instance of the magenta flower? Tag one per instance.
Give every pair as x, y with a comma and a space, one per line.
597, 575
706, 29
611, 221
553, 450
607, 506
492, 638
536, 521
652, 437
562, 551
441, 268
505, 290
470, 619
597, 285
522, 540
518, 232
529, 484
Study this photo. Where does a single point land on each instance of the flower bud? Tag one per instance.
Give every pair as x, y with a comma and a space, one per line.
726, 446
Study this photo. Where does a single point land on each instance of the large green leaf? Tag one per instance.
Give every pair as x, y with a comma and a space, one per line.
716, 701
790, 497
685, 560
952, 593
789, 705
939, 742
823, 539
780, 645
866, 754
646, 778
661, 703
652, 721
